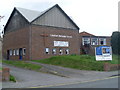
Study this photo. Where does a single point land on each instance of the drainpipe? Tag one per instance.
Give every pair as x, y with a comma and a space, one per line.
30, 42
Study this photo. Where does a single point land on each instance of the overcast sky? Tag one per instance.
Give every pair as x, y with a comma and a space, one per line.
99, 17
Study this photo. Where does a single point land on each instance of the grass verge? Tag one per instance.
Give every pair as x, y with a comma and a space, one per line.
23, 64
82, 62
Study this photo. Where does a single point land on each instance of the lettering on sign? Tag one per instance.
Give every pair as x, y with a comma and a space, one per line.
61, 43
62, 36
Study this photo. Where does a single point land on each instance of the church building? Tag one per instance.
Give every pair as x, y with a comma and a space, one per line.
34, 35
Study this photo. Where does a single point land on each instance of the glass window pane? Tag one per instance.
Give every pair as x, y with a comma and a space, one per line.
85, 41
102, 41
94, 41
17, 52
24, 51
47, 50
14, 52
60, 51
66, 51
54, 51
10, 52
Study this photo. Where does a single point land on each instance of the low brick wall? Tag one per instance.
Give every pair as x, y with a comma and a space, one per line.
5, 74
111, 67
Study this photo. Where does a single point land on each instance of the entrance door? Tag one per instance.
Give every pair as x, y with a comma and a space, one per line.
20, 53
8, 54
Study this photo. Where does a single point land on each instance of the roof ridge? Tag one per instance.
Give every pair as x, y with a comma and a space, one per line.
26, 9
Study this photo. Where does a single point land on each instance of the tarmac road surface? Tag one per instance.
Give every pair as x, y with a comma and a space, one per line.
32, 79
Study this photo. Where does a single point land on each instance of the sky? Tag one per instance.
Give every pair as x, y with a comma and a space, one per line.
98, 17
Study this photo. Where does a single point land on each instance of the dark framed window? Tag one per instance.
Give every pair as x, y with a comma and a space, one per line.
85, 41
24, 51
47, 50
67, 51
14, 52
60, 51
102, 41
17, 51
94, 41
54, 51
10, 52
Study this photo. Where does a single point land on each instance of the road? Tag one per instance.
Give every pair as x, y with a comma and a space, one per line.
104, 83
31, 79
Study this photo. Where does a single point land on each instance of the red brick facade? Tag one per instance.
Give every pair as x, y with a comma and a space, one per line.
91, 48
15, 40
36, 38
40, 42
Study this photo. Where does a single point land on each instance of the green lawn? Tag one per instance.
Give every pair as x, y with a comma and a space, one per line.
23, 64
82, 62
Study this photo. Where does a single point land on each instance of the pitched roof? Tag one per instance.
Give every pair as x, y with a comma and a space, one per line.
85, 34
32, 15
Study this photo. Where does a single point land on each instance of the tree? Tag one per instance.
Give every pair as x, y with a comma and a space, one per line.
115, 42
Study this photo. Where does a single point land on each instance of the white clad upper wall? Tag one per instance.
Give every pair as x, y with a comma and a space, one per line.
56, 18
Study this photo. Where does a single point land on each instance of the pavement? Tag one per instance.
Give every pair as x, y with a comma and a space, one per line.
32, 79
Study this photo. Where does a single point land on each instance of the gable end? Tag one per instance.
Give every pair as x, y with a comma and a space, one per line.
55, 17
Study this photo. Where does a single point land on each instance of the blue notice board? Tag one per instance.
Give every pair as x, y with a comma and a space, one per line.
103, 53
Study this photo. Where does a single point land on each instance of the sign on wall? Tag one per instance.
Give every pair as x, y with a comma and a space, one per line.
103, 53
61, 36
61, 43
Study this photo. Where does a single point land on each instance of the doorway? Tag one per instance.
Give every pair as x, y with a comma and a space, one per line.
20, 53
8, 54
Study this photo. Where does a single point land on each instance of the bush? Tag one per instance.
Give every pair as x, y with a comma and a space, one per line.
12, 78
115, 42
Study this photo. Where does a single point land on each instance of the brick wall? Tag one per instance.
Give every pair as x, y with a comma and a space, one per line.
39, 43
15, 40
31, 38
111, 67
5, 74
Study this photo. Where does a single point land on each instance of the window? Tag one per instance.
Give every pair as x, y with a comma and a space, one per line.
66, 51
85, 41
94, 41
24, 51
14, 52
47, 50
60, 51
10, 52
54, 51
102, 41
17, 52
